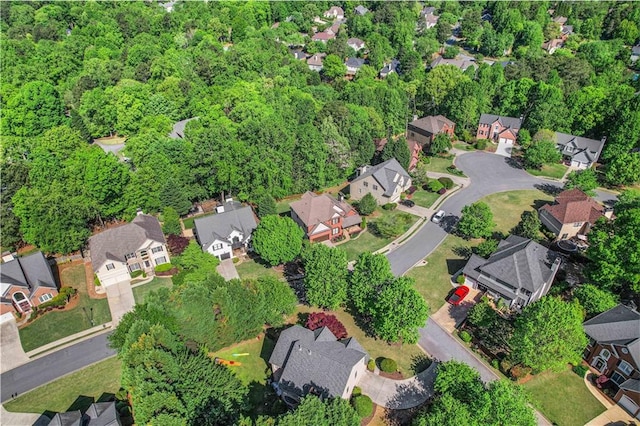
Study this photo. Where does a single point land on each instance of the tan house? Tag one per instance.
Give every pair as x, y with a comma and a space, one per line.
315, 362
572, 213
25, 282
614, 353
385, 181
120, 251
322, 217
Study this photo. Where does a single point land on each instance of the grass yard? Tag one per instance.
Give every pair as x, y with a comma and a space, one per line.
439, 164
403, 354
369, 241
63, 394
555, 171
250, 269
508, 206
188, 222
464, 146
56, 324
141, 291
254, 366
111, 140
563, 398
424, 198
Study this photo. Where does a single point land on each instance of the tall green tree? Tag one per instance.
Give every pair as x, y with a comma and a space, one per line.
548, 335
441, 143
529, 225
584, 180
35, 108
398, 149
277, 239
370, 273
325, 278
312, 411
540, 153
476, 221
333, 67
171, 221
594, 300
266, 206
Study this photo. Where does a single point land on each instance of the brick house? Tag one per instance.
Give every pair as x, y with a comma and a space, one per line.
25, 282
322, 217
423, 130
499, 129
385, 181
573, 212
614, 352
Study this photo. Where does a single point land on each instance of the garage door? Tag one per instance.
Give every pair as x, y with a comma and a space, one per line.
628, 404
224, 256
507, 141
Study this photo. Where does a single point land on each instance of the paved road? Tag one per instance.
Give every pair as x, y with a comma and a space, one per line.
50, 367
489, 173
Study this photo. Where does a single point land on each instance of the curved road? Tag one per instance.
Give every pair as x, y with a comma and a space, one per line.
489, 174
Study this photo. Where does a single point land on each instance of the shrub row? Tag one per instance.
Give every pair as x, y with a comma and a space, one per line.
390, 206
163, 267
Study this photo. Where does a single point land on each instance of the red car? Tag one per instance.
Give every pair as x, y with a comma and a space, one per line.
459, 295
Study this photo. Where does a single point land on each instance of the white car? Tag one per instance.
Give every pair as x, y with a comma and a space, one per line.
437, 218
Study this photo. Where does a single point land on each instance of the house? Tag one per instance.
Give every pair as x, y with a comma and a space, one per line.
385, 181
424, 129
579, 152
322, 217
334, 12
360, 10
353, 65
519, 272
323, 36
552, 45
428, 14
389, 68
560, 20
299, 54
461, 62
333, 29
315, 362
168, 6
499, 129
177, 132
635, 54
98, 414
315, 62
25, 282
137, 246
614, 352
355, 43
427, 10
572, 213
228, 230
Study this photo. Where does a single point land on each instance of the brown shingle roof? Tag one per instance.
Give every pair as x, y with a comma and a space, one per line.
575, 206
313, 209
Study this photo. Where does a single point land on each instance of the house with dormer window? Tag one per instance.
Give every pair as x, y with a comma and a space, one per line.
323, 218
579, 152
25, 282
498, 128
385, 181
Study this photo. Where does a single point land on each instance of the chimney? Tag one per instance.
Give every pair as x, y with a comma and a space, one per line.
139, 212
608, 213
220, 208
8, 257
603, 139
362, 170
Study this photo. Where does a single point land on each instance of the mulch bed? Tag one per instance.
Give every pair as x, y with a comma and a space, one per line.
366, 420
395, 376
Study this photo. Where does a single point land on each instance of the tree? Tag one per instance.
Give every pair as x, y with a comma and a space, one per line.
333, 67
171, 222
370, 273
177, 244
482, 315
541, 153
367, 204
441, 143
529, 226
399, 311
266, 206
313, 411
398, 149
487, 247
584, 180
325, 278
623, 169
277, 239
277, 300
317, 320
548, 335
476, 221
32, 110
594, 300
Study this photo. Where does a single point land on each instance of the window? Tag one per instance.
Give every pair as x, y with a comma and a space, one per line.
134, 267
334, 221
605, 354
577, 224
564, 236
129, 256
375, 187
157, 249
144, 254
365, 184
110, 266
334, 231
217, 246
161, 260
568, 148
45, 297
412, 134
617, 378
625, 367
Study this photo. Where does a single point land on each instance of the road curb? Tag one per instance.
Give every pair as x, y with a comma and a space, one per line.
68, 341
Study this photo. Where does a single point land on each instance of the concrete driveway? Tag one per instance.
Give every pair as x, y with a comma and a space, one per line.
504, 149
11, 352
228, 270
399, 394
121, 301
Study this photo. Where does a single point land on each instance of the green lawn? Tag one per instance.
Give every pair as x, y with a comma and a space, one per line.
254, 366
188, 222
250, 269
403, 354
555, 171
439, 164
56, 324
464, 146
140, 292
60, 395
368, 241
424, 198
563, 398
508, 206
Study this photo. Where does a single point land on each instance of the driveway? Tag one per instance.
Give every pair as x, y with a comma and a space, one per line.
121, 301
11, 352
504, 149
399, 394
228, 270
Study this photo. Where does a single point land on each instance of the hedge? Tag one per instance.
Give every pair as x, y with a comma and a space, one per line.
446, 182
388, 365
481, 144
390, 206
356, 391
465, 336
435, 185
371, 365
580, 370
136, 274
461, 279
163, 267
363, 405
60, 299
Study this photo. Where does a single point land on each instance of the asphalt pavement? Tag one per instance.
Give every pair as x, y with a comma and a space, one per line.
53, 366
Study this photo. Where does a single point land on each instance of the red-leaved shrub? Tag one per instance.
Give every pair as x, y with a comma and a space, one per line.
320, 319
177, 244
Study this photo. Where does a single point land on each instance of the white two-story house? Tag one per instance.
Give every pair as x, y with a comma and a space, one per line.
136, 246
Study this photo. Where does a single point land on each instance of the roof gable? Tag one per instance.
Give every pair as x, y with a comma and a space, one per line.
621, 325
511, 122
220, 226
574, 206
385, 174
313, 209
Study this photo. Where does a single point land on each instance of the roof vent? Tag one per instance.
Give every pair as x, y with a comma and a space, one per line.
220, 209
139, 212
308, 351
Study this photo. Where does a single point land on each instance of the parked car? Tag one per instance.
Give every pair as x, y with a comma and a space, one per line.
437, 218
458, 296
407, 203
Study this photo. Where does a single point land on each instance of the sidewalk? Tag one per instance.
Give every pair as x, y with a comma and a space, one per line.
67, 341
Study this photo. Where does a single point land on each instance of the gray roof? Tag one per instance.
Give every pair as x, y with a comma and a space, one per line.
178, 129
115, 243
620, 326
102, 414
385, 174
354, 62
635, 50
580, 149
32, 271
631, 385
519, 262
315, 359
432, 123
460, 62
512, 122
428, 11
219, 226
390, 67
71, 418
361, 10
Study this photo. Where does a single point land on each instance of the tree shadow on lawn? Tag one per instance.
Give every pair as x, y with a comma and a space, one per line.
454, 265
548, 188
539, 203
